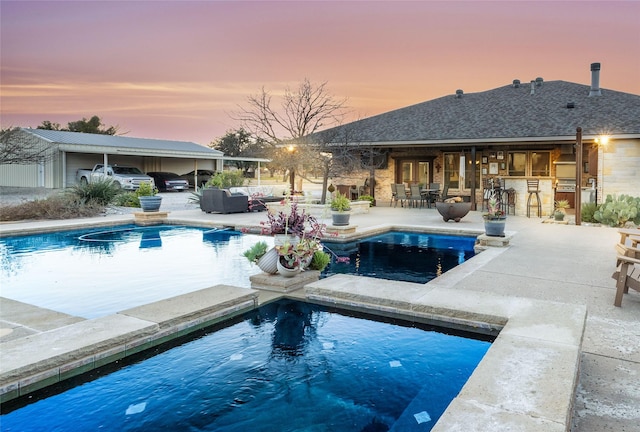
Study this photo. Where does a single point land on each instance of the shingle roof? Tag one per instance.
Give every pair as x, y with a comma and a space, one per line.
115, 141
504, 113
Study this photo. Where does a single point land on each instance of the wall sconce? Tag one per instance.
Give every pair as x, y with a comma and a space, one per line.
437, 166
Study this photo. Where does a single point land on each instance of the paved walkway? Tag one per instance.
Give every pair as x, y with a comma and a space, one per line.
546, 261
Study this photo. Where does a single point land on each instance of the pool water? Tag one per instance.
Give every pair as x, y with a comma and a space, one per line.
403, 256
109, 270
288, 366
93, 273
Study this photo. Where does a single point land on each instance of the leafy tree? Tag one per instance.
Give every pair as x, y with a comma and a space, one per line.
93, 125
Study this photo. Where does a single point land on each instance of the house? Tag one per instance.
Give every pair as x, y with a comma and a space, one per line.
512, 133
70, 151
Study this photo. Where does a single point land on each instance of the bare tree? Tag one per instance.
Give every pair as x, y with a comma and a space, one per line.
20, 148
302, 112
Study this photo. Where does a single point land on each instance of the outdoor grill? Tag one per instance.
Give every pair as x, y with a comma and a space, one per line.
566, 185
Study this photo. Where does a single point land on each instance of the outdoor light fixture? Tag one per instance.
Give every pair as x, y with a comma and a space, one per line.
602, 140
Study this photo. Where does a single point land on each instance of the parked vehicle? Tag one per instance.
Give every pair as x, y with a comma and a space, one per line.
203, 177
168, 181
125, 177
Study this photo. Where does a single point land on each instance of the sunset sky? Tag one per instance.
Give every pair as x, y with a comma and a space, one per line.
179, 69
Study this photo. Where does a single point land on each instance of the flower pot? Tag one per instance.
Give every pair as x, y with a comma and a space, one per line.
340, 218
285, 271
150, 203
268, 263
495, 227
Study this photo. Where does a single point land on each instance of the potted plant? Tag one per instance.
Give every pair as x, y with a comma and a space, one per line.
495, 219
288, 263
319, 261
263, 257
149, 201
340, 205
561, 209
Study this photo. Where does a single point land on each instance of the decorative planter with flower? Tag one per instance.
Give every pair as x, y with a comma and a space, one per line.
289, 259
148, 198
340, 206
495, 219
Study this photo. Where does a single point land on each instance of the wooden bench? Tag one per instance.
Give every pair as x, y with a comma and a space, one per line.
627, 276
630, 249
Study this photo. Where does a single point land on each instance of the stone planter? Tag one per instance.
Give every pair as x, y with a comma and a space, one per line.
268, 263
495, 227
150, 203
455, 211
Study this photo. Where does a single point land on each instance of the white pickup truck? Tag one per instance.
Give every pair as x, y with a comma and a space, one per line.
125, 177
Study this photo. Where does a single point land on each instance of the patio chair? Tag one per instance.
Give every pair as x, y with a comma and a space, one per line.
627, 276
394, 195
434, 194
401, 194
415, 196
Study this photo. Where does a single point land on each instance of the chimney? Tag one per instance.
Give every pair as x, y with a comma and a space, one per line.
539, 81
595, 80
533, 87
516, 83
459, 93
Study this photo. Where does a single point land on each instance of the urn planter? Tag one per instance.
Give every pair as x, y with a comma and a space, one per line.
268, 262
495, 227
286, 271
150, 203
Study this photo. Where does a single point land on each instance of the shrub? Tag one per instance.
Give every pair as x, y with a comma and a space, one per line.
63, 206
340, 203
226, 179
367, 198
587, 211
126, 199
616, 211
101, 192
320, 260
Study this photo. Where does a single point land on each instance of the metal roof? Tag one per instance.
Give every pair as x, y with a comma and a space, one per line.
97, 143
551, 112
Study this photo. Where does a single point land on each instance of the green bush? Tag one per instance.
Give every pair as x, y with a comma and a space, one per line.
367, 198
226, 179
126, 199
101, 192
320, 260
587, 212
616, 211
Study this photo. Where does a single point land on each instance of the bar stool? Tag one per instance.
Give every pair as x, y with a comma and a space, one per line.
487, 190
533, 189
511, 201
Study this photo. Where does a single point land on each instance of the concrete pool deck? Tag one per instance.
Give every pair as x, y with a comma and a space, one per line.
550, 263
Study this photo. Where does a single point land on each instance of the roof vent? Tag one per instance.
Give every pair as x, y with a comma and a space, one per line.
516, 83
539, 82
533, 87
571, 105
459, 93
595, 80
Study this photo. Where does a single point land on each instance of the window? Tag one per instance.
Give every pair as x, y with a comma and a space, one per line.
534, 164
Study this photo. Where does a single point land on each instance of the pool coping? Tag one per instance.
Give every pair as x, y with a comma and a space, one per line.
527, 379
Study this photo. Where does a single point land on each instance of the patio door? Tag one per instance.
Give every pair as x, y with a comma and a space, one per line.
415, 172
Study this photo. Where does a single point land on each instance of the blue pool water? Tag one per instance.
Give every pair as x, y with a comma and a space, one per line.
92, 273
288, 366
404, 256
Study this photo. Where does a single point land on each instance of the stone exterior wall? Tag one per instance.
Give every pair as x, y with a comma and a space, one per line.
619, 168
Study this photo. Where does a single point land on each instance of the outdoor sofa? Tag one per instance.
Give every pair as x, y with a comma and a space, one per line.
215, 200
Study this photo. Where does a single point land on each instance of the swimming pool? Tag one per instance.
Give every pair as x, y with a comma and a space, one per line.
93, 273
288, 366
403, 256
